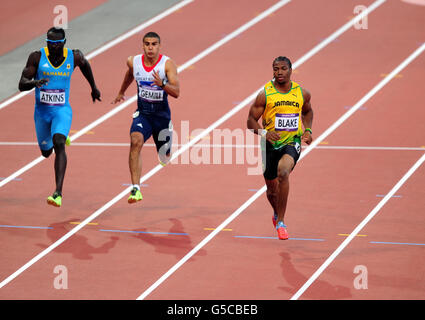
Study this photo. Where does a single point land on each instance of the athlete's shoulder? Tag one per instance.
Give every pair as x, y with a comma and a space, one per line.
296, 85
34, 58
77, 54
269, 85
260, 100
169, 63
35, 54
130, 60
306, 93
269, 88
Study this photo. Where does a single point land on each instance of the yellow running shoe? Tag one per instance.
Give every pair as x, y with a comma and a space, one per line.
135, 196
55, 199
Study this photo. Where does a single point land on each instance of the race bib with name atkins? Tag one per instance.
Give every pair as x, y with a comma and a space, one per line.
52, 97
286, 121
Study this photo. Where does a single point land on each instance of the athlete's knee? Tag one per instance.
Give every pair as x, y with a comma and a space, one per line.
283, 173
46, 153
59, 142
136, 141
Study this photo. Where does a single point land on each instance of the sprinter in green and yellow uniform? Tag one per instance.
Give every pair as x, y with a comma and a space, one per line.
285, 108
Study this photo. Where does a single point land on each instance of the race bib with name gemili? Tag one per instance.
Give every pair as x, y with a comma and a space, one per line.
52, 97
286, 121
150, 93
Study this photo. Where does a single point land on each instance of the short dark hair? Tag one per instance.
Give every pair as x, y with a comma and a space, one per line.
152, 34
282, 58
57, 30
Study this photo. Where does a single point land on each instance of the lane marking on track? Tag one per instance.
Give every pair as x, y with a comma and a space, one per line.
358, 229
159, 166
405, 243
201, 145
111, 44
377, 148
383, 75
16, 179
24, 227
254, 197
383, 195
125, 104
147, 232
333, 256
90, 223
75, 131
276, 238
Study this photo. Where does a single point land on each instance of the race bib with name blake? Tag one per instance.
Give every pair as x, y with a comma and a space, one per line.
150, 93
286, 121
52, 97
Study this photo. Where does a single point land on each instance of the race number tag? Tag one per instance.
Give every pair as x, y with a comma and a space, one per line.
150, 93
52, 97
298, 147
286, 121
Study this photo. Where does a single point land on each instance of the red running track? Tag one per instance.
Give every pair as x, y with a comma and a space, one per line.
23, 20
332, 190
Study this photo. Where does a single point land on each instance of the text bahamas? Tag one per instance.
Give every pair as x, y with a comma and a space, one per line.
56, 73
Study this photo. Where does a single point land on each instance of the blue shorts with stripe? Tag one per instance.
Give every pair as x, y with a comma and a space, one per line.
50, 120
160, 128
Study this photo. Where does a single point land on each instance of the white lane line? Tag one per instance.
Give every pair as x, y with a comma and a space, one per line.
201, 244
132, 99
218, 145
371, 148
144, 178
304, 58
378, 87
139, 28
353, 234
363, 100
111, 44
237, 32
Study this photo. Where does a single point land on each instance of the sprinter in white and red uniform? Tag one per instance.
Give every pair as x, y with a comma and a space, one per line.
156, 78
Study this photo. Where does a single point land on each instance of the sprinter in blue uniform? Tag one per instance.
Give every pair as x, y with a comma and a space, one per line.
49, 71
